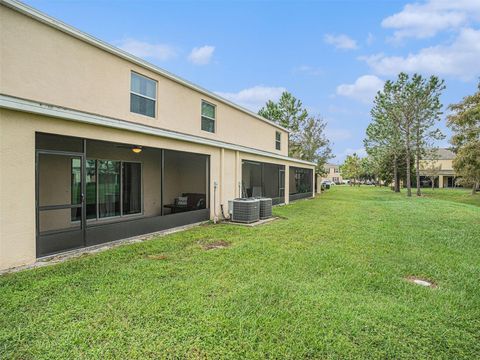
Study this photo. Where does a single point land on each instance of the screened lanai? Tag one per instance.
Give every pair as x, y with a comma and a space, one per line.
90, 192
261, 179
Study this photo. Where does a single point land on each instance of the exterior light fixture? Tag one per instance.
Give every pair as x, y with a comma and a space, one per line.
137, 149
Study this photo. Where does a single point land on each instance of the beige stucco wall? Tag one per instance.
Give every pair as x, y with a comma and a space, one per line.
444, 169
443, 164
230, 183
44, 64
17, 173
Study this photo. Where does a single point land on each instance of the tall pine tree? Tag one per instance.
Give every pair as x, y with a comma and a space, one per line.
383, 140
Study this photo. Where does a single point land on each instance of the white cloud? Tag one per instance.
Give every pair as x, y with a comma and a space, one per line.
459, 58
201, 55
341, 41
363, 89
144, 49
424, 20
308, 70
255, 97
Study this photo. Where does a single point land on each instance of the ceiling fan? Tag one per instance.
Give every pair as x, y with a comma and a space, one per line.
137, 149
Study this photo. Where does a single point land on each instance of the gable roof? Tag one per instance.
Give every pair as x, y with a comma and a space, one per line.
443, 154
70, 30
329, 165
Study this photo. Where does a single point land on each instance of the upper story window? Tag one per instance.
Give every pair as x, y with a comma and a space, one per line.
143, 95
208, 117
278, 140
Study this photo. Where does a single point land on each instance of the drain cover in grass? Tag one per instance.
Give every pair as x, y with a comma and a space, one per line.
421, 282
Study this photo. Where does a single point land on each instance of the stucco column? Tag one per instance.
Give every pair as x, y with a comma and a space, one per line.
17, 190
440, 181
236, 190
287, 183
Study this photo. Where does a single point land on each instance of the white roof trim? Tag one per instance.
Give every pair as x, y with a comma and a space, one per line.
13, 103
59, 25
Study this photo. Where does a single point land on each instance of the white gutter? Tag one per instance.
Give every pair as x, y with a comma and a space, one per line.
13, 103
70, 30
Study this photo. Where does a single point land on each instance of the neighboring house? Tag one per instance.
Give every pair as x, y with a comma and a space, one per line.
332, 173
98, 145
440, 167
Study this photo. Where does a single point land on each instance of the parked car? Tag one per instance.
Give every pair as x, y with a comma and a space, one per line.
326, 184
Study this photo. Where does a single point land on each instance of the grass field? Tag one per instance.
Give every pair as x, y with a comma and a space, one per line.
456, 195
327, 280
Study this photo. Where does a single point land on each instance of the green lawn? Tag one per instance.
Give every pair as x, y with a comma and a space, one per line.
456, 195
324, 281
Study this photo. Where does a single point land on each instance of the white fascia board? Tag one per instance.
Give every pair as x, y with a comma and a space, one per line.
13, 103
59, 25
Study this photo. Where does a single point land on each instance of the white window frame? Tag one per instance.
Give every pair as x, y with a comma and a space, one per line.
279, 141
144, 96
208, 117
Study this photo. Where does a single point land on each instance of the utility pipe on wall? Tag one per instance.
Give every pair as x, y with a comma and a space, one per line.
215, 217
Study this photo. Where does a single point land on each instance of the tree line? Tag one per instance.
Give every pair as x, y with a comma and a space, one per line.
358, 169
403, 131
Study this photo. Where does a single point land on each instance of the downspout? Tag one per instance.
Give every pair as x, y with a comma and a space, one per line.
222, 167
215, 217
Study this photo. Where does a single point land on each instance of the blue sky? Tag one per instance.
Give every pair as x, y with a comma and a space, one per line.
333, 55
